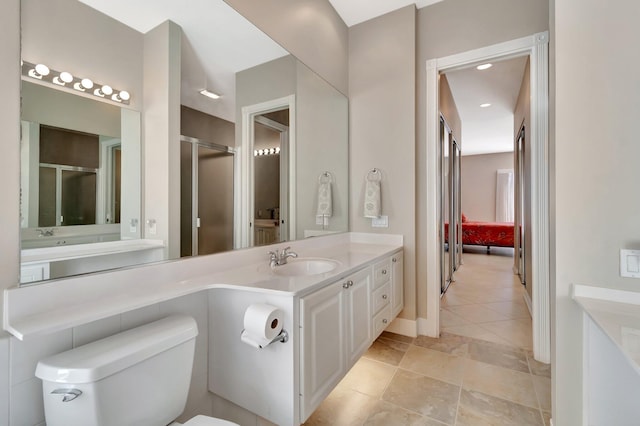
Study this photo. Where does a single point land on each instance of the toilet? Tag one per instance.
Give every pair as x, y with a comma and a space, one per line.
139, 377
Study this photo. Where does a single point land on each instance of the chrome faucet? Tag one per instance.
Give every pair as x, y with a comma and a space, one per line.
277, 259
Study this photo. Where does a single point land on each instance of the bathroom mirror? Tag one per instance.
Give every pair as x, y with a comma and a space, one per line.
220, 51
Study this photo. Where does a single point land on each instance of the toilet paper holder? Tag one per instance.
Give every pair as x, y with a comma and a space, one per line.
283, 337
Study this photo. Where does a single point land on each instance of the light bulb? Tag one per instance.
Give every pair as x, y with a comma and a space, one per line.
107, 90
42, 69
86, 83
66, 77
124, 95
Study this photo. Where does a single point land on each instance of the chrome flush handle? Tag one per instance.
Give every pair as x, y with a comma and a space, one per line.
69, 394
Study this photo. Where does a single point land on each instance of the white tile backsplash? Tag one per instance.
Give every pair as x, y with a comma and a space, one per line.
96, 330
27, 406
24, 355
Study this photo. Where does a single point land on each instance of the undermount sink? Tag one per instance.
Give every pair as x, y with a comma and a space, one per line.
305, 266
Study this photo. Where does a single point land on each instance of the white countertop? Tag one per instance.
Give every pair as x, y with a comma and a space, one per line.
58, 305
617, 313
77, 251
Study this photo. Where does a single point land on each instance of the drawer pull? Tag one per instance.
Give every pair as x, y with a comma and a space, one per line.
384, 321
394, 260
345, 285
384, 272
384, 296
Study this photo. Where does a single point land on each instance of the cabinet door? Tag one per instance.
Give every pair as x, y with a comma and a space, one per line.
397, 282
322, 354
358, 315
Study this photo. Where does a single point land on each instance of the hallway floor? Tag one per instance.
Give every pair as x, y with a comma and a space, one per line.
479, 372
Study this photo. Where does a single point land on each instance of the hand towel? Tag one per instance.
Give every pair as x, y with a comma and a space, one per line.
325, 202
372, 197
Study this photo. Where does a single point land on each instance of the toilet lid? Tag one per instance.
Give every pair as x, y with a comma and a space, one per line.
208, 421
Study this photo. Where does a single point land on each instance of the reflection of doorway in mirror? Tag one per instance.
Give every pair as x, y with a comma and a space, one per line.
207, 173
271, 134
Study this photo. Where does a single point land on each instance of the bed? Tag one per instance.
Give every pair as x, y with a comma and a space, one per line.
489, 234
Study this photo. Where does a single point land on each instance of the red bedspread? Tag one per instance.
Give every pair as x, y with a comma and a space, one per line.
485, 233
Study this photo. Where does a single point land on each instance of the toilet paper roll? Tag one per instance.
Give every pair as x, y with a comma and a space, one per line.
262, 324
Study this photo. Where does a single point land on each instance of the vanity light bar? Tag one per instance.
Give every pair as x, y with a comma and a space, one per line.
266, 151
66, 79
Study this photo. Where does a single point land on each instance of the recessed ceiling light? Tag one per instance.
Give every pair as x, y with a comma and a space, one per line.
485, 105
209, 94
484, 66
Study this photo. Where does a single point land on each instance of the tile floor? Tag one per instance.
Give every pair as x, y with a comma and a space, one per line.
479, 372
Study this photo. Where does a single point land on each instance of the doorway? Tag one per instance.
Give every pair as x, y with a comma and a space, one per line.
536, 46
267, 203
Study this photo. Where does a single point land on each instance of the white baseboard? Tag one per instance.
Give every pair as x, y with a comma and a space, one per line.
423, 328
403, 326
527, 300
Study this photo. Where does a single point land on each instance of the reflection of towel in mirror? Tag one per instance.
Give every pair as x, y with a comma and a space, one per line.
372, 198
325, 203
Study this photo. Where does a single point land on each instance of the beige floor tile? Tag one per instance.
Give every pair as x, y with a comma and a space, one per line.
476, 314
450, 319
343, 407
452, 299
386, 414
454, 344
538, 368
476, 332
500, 382
387, 351
435, 364
478, 409
396, 337
516, 332
369, 377
501, 355
542, 386
513, 309
429, 397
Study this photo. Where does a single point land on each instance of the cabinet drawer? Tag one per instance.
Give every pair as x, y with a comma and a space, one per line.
381, 321
381, 297
381, 272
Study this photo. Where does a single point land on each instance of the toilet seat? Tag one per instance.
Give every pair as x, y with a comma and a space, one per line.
205, 421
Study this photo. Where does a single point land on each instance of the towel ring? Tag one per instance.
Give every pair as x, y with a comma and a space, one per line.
325, 177
374, 175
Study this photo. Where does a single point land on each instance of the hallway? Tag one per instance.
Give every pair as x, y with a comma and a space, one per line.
470, 376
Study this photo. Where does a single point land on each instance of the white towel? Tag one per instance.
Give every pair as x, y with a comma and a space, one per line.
372, 198
325, 202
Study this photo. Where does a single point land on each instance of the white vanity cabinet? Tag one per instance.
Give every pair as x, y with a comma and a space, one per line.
335, 331
397, 284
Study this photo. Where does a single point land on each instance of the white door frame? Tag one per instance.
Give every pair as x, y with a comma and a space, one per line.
244, 214
536, 46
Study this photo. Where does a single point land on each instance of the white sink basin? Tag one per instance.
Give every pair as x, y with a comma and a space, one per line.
305, 266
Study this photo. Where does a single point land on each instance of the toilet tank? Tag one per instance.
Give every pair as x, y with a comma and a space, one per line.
138, 377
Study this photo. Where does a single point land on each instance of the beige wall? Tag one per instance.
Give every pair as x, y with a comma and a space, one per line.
382, 128
449, 110
310, 29
596, 169
455, 26
206, 127
479, 184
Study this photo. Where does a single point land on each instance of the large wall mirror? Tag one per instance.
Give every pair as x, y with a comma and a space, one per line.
259, 136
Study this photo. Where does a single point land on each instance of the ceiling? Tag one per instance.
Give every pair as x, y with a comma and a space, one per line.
491, 129
216, 48
213, 49
354, 12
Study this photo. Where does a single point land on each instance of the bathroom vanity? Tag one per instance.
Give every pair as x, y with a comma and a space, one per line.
331, 317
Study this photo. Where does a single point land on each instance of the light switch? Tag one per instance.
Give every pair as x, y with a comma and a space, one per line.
380, 222
630, 263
